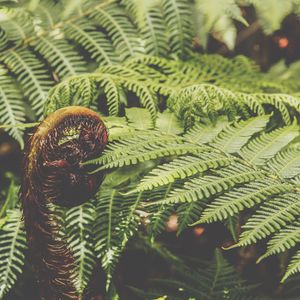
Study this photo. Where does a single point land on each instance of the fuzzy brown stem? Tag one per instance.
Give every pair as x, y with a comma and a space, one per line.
53, 173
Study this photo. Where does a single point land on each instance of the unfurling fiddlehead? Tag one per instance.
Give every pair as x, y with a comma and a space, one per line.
54, 173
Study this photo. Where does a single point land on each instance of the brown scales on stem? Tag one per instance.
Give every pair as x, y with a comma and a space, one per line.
53, 174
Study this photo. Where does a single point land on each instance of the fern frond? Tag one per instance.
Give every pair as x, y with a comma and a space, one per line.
265, 146
154, 34
93, 41
31, 75
183, 167
12, 110
205, 133
119, 28
61, 56
285, 239
141, 148
204, 187
177, 15
189, 213
234, 136
48, 13
13, 245
271, 217
286, 163
79, 222
204, 280
159, 217
17, 25
116, 222
293, 267
148, 17
238, 199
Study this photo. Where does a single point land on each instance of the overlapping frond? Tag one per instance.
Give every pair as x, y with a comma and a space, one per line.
205, 184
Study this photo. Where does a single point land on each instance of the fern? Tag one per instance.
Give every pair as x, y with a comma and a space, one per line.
293, 267
79, 223
61, 56
178, 20
234, 136
116, 222
119, 28
11, 108
271, 217
286, 163
32, 75
238, 199
204, 187
213, 185
93, 41
285, 239
267, 145
214, 279
13, 245
17, 25
181, 168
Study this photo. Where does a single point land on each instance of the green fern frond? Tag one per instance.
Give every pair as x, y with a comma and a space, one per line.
240, 198
205, 133
119, 28
12, 109
79, 222
47, 12
204, 187
265, 146
177, 15
272, 216
183, 167
93, 41
159, 217
280, 102
148, 18
285, 239
286, 163
61, 56
31, 75
17, 25
208, 280
116, 222
146, 97
13, 245
293, 267
189, 213
142, 147
113, 94
234, 136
